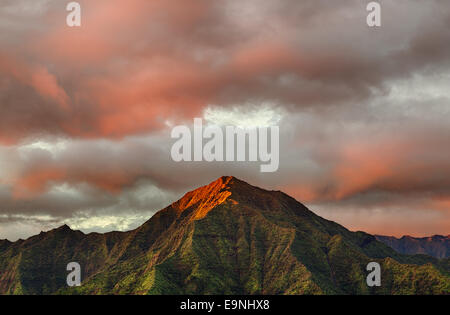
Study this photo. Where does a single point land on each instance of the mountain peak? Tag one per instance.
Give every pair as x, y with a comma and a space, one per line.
223, 180
235, 192
63, 227
207, 197
228, 181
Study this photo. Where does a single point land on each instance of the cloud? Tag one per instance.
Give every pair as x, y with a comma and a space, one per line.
112, 83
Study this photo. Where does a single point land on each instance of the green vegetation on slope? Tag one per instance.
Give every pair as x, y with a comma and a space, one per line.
224, 238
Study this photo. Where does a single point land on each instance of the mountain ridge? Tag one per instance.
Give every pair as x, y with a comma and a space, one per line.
437, 245
227, 237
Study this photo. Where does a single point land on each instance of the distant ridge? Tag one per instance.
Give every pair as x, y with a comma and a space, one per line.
227, 237
437, 246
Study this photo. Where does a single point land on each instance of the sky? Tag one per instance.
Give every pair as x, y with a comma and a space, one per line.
86, 112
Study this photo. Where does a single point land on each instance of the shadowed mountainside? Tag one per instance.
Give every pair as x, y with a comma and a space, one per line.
437, 246
227, 237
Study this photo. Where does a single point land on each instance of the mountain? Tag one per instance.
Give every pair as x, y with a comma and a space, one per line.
227, 237
437, 246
